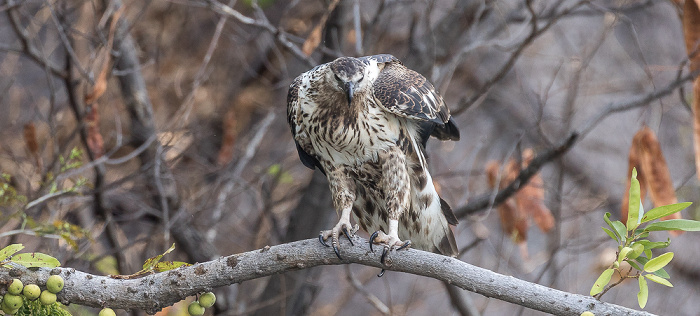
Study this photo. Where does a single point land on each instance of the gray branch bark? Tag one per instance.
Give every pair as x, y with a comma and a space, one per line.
153, 292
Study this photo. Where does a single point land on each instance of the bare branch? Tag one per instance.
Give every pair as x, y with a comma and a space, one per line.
484, 201
153, 292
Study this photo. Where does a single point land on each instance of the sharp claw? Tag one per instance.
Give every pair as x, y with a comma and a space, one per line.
406, 244
371, 240
323, 242
337, 253
383, 255
381, 273
347, 234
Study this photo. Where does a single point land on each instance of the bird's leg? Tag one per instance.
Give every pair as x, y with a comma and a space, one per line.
343, 190
396, 184
344, 227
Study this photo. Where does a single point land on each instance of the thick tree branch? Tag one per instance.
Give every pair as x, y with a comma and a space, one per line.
153, 292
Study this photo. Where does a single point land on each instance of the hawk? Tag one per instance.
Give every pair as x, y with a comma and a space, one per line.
364, 122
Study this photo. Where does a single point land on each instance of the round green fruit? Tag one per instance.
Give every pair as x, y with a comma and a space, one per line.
54, 284
207, 299
16, 287
8, 311
12, 301
31, 291
47, 298
107, 312
195, 309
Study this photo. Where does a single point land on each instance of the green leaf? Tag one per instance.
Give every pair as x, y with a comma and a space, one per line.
36, 260
643, 294
635, 204
665, 210
170, 265
602, 281
635, 265
610, 233
675, 224
637, 249
9, 251
616, 227
151, 263
623, 254
658, 262
654, 244
661, 272
621, 230
658, 280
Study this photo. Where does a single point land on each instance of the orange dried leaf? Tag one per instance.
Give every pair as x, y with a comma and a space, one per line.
30, 140
492, 173
101, 82
229, 139
513, 222
656, 172
530, 199
94, 139
696, 123
691, 30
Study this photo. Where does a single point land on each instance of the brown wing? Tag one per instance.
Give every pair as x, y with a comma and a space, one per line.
407, 93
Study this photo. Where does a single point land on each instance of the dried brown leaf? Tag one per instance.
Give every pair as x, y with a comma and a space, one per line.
492, 173
691, 29
696, 123
101, 82
30, 140
530, 199
656, 172
94, 139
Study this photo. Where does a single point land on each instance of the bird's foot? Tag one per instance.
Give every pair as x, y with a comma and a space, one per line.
344, 227
390, 242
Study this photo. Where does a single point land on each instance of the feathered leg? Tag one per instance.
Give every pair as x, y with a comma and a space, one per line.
396, 186
343, 190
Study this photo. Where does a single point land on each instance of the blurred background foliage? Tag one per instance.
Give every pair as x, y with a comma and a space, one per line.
125, 127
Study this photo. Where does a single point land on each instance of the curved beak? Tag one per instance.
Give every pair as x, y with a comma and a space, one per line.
349, 90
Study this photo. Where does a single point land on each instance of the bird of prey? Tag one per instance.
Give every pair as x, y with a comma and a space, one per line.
364, 122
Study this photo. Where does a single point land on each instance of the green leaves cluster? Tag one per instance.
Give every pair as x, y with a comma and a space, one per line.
29, 260
634, 247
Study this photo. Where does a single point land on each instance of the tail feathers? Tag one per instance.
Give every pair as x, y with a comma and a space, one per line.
448, 244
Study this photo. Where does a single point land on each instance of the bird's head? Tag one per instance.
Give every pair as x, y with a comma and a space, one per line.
347, 74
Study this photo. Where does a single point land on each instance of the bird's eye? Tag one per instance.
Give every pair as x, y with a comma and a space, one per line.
360, 80
337, 78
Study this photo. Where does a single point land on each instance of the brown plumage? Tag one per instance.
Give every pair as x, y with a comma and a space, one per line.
364, 123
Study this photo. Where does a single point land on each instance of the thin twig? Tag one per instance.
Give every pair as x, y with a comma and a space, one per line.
236, 173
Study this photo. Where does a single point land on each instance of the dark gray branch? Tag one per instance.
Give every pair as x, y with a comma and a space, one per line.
153, 292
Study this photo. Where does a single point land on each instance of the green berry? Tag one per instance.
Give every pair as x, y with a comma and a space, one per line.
31, 291
207, 299
54, 284
195, 309
587, 313
107, 312
16, 287
47, 298
8, 311
12, 301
